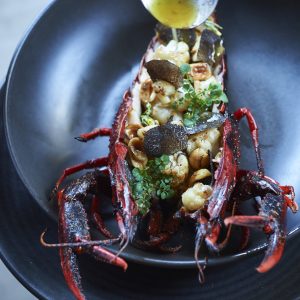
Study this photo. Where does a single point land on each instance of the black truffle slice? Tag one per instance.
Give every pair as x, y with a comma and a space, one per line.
183, 35
209, 43
164, 70
165, 139
207, 120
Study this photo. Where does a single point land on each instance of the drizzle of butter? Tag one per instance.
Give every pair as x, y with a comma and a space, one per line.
174, 13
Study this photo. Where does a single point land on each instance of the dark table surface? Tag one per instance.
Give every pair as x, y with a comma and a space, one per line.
15, 17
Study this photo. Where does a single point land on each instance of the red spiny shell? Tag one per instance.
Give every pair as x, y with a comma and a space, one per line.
118, 152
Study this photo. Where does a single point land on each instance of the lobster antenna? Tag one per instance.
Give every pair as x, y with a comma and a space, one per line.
123, 247
125, 240
198, 243
228, 233
76, 244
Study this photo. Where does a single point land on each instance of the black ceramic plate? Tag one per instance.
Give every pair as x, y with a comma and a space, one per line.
68, 77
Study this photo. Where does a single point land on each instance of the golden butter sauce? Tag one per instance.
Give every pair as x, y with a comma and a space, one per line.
180, 13
174, 13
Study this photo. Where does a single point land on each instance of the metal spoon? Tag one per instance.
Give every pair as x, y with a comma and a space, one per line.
180, 13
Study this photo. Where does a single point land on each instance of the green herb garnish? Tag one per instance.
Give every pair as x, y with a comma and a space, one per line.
142, 189
214, 27
198, 103
151, 182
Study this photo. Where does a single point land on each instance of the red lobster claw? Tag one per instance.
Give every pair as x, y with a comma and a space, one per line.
271, 218
73, 228
74, 231
271, 225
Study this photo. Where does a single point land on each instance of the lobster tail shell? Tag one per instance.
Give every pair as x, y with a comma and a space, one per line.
122, 199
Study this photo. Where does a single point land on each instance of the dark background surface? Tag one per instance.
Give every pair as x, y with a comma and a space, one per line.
15, 18
262, 56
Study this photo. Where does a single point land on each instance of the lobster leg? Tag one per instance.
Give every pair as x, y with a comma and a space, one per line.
97, 132
272, 212
69, 265
106, 256
201, 233
90, 164
289, 195
274, 229
288, 190
98, 219
245, 238
211, 240
239, 114
159, 232
73, 227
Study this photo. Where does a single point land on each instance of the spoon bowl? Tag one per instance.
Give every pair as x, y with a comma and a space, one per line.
180, 14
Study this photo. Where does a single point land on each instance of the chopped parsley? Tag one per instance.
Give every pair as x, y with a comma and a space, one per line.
142, 189
151, 182
198, 103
